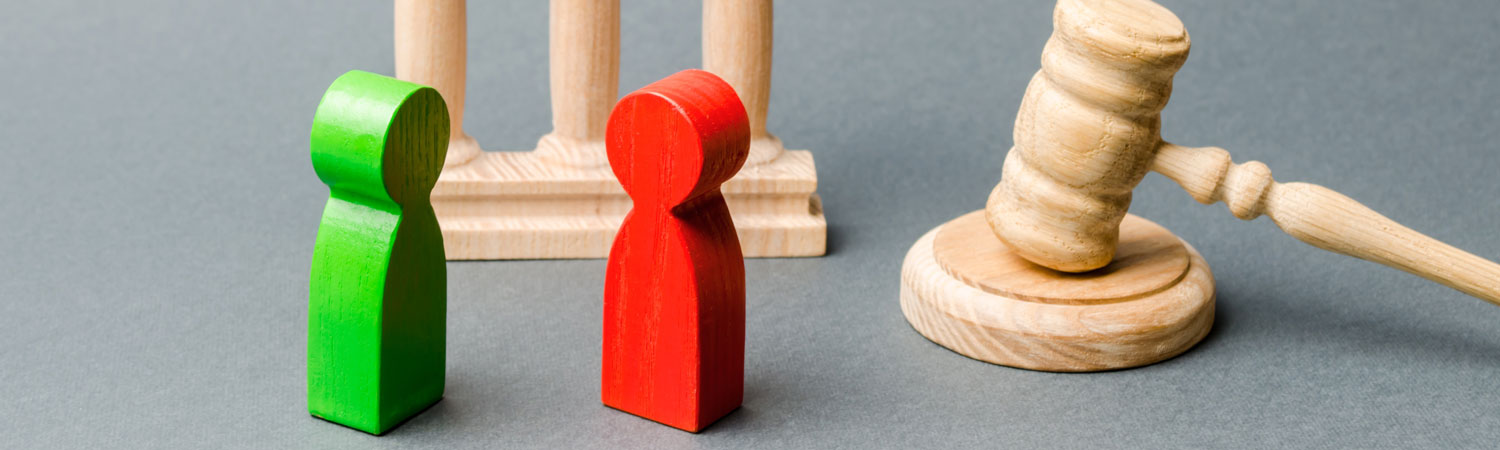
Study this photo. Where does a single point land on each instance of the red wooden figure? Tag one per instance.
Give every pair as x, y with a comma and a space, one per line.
674, 294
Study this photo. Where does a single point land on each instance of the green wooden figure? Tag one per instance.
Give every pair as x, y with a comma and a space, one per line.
377, 306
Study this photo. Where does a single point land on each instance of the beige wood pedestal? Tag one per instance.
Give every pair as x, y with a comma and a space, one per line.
966, 290
561, 200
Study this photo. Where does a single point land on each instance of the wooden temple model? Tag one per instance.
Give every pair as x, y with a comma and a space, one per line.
561, 200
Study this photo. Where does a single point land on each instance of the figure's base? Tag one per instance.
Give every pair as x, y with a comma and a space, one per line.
688, 424
374, 428
966, 290
520, 205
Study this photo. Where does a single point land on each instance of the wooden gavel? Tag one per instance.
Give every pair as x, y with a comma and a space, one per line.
1089, 129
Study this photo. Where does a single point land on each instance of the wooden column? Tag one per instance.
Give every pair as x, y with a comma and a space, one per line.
432, 49
585, 73
737, 48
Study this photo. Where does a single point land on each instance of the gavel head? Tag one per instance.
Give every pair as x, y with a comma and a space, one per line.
1088, 128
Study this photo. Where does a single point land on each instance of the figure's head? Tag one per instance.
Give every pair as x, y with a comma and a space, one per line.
380, 138
1087, 131
677, 139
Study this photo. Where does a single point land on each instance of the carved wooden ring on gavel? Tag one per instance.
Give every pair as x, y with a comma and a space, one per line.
1089, 130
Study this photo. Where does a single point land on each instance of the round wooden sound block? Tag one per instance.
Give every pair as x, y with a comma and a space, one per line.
966, 290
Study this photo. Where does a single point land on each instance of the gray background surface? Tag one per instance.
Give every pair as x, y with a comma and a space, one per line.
158, 211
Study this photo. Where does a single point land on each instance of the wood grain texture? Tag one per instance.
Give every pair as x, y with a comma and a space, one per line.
512, 205
737, 44
1089, 129
1057, 334
377, 291
1324, 218
674, 296
561, 200
1150, 259
432, 45
584, 55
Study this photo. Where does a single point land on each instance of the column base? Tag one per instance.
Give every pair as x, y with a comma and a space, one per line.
520, 205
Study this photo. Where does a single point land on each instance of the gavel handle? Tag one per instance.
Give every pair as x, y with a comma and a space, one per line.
1324, 218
